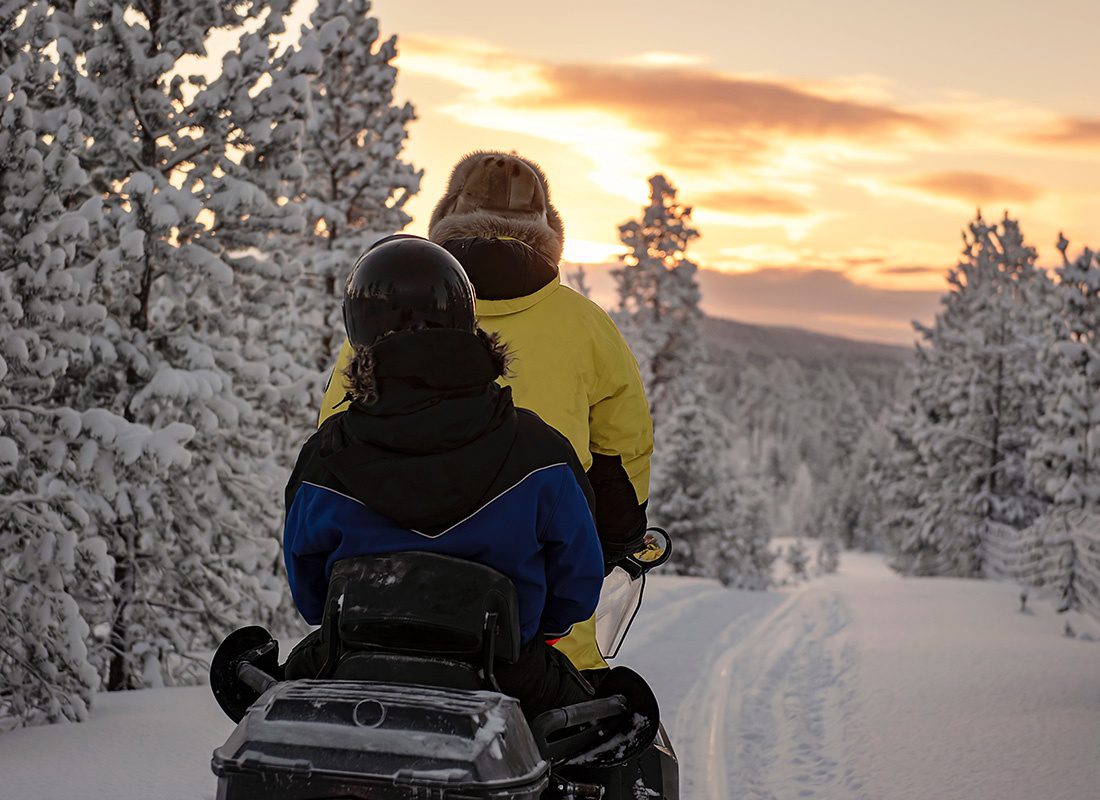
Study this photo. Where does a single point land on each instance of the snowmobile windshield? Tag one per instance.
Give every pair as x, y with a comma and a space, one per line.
620, 599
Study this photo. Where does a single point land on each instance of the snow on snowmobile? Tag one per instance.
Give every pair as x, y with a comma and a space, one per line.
407, 705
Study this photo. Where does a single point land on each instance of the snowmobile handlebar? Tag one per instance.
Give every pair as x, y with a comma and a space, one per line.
254, 678
577, 714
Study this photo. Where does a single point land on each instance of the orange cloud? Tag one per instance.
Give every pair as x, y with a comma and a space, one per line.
821, 299
911, 270
706, 116
1073, 131
752, 204
683, 116
974, 187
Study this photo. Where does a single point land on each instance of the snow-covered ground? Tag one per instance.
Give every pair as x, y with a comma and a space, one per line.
857, 685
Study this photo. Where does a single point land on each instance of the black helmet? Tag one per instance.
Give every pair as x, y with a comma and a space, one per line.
405, 282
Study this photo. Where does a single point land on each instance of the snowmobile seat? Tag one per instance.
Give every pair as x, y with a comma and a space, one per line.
370, 665
442, 619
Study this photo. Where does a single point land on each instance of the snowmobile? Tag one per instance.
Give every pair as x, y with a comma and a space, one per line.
407, 705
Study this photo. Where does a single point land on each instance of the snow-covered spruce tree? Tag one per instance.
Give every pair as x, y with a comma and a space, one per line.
47, 549
659, 314
192, 173
975, 407
356, 181
798, 560
912, 537
658, 295
1065, 455
854, 505
578, 280
798, 515
688, 499
828, 554
744, 553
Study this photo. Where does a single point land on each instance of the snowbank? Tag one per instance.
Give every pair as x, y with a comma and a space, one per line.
856, 685
154, 743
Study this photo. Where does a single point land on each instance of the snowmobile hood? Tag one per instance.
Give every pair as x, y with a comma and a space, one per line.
439, 418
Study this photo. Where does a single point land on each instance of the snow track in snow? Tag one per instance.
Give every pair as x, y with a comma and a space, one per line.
860, 686
758, 720
837, 689
790, 690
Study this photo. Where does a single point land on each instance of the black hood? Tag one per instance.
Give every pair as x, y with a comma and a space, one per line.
502, 269
426, 452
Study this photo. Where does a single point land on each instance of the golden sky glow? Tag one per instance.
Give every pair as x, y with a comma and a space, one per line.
835, 149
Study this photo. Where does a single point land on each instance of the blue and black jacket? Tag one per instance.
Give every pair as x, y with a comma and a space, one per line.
441, 461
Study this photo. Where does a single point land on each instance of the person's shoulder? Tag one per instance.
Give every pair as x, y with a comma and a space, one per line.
583, 314
544, 445
320, 441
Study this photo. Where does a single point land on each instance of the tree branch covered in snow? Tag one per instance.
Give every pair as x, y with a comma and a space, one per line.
989, 467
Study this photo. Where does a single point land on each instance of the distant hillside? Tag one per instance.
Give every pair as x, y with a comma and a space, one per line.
796, 403
727, 336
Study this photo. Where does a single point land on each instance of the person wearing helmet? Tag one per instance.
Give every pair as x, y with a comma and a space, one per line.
571, 366
432, 455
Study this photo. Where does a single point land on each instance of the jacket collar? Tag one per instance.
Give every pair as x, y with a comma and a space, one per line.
508, 275
502, 308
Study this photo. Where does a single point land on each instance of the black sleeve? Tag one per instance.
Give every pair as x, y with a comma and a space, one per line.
620, 519
307, 467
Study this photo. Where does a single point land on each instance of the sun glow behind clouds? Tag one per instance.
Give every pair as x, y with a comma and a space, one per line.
661, 59
782, 173
582, 251
491, 79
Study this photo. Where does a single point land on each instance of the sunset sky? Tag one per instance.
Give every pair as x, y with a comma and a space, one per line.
832, 150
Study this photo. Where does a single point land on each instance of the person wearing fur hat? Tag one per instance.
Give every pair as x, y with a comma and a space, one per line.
432, 455
571, 365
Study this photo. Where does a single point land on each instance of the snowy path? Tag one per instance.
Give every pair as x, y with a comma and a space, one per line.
867, 685
860, 685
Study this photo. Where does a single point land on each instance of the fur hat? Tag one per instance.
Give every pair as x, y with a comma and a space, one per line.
494, 194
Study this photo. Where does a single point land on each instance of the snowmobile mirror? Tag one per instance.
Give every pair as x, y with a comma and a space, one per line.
657, 549
252, 646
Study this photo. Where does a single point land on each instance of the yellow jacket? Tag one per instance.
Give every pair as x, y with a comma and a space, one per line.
573, 368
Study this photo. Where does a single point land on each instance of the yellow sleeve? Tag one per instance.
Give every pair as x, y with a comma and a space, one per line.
619, 420
336, 388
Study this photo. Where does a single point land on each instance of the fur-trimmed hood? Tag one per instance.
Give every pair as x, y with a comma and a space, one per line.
408, 367
492, 194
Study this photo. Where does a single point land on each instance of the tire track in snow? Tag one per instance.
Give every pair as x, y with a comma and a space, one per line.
760, 687
791, 704
676, 648
714, 698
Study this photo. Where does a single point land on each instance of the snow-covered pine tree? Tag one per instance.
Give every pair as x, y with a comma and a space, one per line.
856, 505
192, 173
828, 554
658, 295
975, 407
356, 182
1065, 455
46, 322
908, 488
798, 514
744, 553
659, 314
688, 499
578, 280
798, 559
